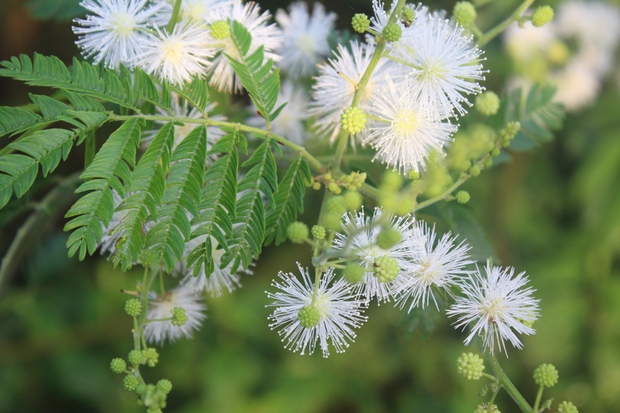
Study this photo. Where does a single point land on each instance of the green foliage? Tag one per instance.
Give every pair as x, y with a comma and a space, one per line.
111, 165
288, 200
55, 9
257, 78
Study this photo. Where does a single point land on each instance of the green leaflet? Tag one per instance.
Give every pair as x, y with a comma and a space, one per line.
166, 240
288, 200
262, 86
110, 168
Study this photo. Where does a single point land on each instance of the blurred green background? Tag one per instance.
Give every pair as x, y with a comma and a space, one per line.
553, 212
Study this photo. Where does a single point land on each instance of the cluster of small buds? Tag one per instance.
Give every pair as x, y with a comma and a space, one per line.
471, 366
130, 382
462, 197
153, 396
386, 269
354, 180
118, 365
335, 208
542, 15
152, 356
407, 16
220, 30
297, 232
354, 273
546, 375
178, 316
353, 120
392, 32
309, 316
353, 200
413, 175
485, 408
464, 13
133, 307
318, 232
508, 134
487, 103
567, 407
388, 237
360, 22
136, 357
392, 199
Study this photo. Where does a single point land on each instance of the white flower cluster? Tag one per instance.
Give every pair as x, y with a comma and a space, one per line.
495, 304
593, 27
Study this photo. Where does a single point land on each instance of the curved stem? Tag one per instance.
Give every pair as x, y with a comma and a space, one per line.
510, 388
538, 397
441, 196
502, 26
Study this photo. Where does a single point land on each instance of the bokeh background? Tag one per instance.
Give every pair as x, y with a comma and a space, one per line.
553, 212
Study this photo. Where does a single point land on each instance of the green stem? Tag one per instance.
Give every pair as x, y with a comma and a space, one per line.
175, 16
475, 30
402, 61
510, 388
538, 397
441, 196
502, 26
90, 148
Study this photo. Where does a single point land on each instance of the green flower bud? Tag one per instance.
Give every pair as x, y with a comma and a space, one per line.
495, 152
546, 375
130, 382
392, 32
471, 366
333, 187
164, 386
488, 163
133, 307
136, 357
464, 13
512, 128
392, 181
354, 273
462, 197
407, 15
487, 103
178, 316
118, 365
353, 120
413, 175
404, 206
474, 170
297, 232
327, 177
388, 237
152, 356
353, 200
466, 165
309, 316
386, 269
542, 16
485, 408
567, 407
360, 22
220, 30
316, 186
337, 205
318, 232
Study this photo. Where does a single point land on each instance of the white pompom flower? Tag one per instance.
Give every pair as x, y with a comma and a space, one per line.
305, 38
333, 313
160, 307
497, 306
269, 36
202, 11
176, 57
116, 32
437, 265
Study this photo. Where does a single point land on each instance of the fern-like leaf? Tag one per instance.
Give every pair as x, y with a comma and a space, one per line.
110, 169
262, 84
249, 225
288, 200
15, 120
166, 240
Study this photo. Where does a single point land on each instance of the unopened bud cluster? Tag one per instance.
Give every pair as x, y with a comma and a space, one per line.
353, 120
360, 23
220, 30
487, 103
462, 197
309, 316
546, 375
407, 16
392, 198
471, 366
297, 232
542, 15
178, 316
485, 408
354, 273
133, 307
386, 269
464, 13
351, 182
567, 407
392, 32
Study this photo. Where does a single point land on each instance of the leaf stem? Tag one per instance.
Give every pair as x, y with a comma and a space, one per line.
505, 381
443, 195
502, 26
175, 16
538, 397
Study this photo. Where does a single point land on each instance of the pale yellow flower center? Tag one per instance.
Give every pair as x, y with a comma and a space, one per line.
493, 309
433, 69
173, 51
406, 122
123, 24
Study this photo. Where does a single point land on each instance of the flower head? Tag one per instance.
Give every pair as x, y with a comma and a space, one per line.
160, 307
498, 305
201, 11
438, 265
304, 321
115, 34
305, 38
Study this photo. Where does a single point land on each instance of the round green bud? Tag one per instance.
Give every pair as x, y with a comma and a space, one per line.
466, 165
353, 200
407, 16
474, 170
333, 187
220, 30
462, 197
178, 316
152, 356
464, 13
413, 175
316, 186
133, 307
297, 232
495, 152
546, 375
485, 408
164, 386
141, 391
360, 22
405, 205
558, 53
154, 410
354, 273
470, 365
309, 316
388, 237
386, 269
130, 382
542, 16
136, 357
567, 407
488, 163
318, 232
487, 103
118, 365
392, 32
353, 120
336, 205
327, 177
392, 181
512, 128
